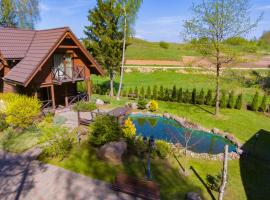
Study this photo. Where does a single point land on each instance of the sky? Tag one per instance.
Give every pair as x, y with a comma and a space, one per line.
158, 20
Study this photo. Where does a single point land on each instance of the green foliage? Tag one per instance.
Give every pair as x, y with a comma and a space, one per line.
83, 106
194, 96
155, 92
136, 92
231, 100
124, 93
164, 45
142, 93
265, 39
208, 98
20, 110
104, 129
200, 99
214, 182
239, 102
167, 95
3, 124
180, 95
57, 140
223, 101
148, 92
162, 148
264, 103
255, 102
141, 103
174, 94
161, 93
130, 91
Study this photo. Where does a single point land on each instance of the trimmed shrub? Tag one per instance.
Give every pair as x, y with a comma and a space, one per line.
104, 129
239, 102
231, 100
255, 102
20, 110
142, 93
141, 104
200, 99
155, 96
193, 96
84, 106
148, 93
263, 106
223, 102
164, 45
162, 148
136, 91
129, 129
180, 95
174, 94
208, 98
161, 93
153, 106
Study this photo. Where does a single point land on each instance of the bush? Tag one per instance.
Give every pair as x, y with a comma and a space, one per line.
148, 93
130, 91
3, 124
214, 182
137, 146
239, 102
164, 45
255, 102
155, 93
84, 106
263, 106
223, 102
153, 106
162, 148
180, 95
174, 94
142, 95
200, 99
193, 96
231, 100
104, 129
57, 140
141, 103
129, 129
124, 93
20, 110
161, 93
208, 98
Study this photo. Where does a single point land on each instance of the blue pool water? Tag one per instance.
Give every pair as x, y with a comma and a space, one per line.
171, 131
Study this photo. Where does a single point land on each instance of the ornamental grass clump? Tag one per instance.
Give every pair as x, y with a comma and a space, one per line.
153, 106
129, 129
84, 106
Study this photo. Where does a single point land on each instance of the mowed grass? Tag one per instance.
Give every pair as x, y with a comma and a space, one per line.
144, 50
188, 80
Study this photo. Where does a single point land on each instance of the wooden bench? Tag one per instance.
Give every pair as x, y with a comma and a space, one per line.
140, 188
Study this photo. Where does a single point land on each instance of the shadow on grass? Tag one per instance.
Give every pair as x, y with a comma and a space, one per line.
255, 166
204, 109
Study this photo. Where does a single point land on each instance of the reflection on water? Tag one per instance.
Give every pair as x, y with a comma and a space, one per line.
171, 131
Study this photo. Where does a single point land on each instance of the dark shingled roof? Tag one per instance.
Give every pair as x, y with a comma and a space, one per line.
32, 47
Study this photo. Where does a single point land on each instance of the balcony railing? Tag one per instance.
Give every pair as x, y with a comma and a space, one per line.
78, 97
46, 104
68, 74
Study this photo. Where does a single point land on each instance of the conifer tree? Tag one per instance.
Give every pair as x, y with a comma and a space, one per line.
166, 95
200, 99
208, 98
186, 96
231, 100
223, 102
136, 91
161, 93
180, 95
148, 93
255, 102
193, 96
174, 94
154, 93
130, 91
239, 102
263, 106
142, 93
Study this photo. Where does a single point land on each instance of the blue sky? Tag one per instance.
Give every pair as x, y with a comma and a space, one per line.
157, 19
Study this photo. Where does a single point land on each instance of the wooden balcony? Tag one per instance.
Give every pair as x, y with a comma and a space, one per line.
68, 74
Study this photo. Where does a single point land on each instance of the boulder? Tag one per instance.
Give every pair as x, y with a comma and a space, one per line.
112, 152
100, 102
166, 115
147, 105
133, 105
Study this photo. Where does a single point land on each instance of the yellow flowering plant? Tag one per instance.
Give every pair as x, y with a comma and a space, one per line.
153, 106
129, 129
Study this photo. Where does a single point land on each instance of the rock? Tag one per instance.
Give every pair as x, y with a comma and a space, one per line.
166, 115
100, 102
2, 106
147, 105
133, 105
112, 152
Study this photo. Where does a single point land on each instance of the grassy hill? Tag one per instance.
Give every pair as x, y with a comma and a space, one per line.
144, 50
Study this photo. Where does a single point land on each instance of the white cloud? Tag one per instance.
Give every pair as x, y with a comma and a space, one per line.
265, 7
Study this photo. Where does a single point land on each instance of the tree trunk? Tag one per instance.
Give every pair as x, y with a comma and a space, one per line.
224, 174
111, 83
218, 66
123, 56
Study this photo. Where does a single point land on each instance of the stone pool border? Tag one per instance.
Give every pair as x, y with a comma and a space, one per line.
186, 124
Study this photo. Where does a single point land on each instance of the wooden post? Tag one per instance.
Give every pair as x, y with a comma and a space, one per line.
66, 97
53, 96
224, 173
88, 88
36, 93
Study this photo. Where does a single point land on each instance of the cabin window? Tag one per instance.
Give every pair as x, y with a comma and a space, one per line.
63, 64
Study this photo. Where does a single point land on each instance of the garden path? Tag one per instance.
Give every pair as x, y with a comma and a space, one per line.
22, 177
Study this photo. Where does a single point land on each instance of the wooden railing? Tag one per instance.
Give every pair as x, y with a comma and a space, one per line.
62, 75
46, 104
79, 97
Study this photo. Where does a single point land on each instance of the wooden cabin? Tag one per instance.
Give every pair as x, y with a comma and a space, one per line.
47, 64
